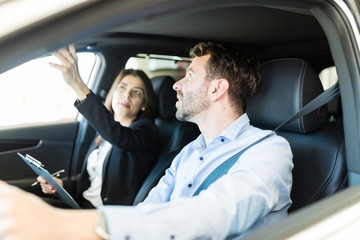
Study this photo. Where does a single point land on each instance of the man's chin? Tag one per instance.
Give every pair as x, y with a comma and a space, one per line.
179, 116
182, 117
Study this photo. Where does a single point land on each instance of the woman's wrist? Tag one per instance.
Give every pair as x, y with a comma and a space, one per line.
80, 88
80, 100
82, 92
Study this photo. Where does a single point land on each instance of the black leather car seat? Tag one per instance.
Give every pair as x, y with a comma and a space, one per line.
174, 134
318, 147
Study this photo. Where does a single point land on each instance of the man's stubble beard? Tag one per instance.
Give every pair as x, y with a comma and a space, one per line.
192, 104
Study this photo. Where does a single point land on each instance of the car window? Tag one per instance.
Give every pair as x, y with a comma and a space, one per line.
34, 92
159, 65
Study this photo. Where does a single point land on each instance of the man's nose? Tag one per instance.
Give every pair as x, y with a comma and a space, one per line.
177, 85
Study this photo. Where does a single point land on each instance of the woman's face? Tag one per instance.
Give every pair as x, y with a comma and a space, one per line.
128, 99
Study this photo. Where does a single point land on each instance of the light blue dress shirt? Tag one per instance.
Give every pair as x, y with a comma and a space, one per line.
255, 192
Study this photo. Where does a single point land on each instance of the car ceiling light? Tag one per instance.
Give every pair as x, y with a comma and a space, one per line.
164, 57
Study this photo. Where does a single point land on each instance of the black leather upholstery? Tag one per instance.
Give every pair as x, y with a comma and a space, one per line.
174, 134
287, 85
318, 148
166, 96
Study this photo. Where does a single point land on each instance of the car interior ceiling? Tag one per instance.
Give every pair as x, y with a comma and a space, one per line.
267, 33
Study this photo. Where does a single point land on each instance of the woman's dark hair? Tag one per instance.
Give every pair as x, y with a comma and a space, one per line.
241, 71
150, 98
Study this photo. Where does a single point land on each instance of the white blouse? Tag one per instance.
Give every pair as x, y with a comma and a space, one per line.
94, 167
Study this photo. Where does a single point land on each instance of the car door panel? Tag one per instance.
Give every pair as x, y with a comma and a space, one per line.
50, 143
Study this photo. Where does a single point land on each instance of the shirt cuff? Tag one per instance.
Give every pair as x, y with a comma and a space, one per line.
124, 222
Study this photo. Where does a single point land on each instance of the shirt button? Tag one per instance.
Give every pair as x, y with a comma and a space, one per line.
172, 237
189, 185
201, 158
222, 140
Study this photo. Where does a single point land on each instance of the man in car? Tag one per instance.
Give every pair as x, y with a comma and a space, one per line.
253, 193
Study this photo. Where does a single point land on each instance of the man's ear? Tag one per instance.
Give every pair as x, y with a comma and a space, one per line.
218, 88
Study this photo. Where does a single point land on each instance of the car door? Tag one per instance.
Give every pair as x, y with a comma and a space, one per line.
52, 144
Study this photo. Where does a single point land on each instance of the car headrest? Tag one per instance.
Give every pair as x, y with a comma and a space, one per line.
166, 95
286, 86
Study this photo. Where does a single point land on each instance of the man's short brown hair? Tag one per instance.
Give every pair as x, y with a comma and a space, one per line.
241, 70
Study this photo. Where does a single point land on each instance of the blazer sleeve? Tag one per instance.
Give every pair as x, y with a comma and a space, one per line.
139, 137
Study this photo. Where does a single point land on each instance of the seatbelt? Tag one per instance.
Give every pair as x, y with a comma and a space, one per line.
317, 102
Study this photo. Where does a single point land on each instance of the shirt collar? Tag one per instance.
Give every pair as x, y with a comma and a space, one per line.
231, 132
236, 128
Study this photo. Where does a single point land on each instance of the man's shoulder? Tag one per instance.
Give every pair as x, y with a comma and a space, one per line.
253, 133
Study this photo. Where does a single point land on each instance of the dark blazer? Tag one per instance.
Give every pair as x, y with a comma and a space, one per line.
127, 164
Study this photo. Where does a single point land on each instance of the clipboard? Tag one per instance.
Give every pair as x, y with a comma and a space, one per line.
37, 167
